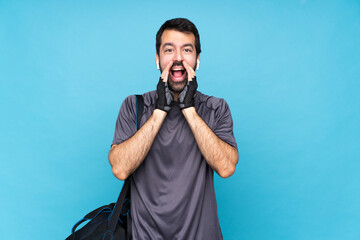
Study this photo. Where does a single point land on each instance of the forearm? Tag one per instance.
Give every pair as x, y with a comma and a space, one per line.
221, 156
126, 157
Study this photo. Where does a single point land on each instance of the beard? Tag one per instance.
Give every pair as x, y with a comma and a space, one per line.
177, 86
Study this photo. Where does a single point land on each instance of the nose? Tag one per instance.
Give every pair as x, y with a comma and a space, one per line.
178, 57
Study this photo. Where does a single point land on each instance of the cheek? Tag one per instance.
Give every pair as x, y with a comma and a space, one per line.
164, 61
191, 61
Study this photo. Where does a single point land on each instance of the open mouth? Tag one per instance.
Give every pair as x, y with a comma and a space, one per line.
177, 75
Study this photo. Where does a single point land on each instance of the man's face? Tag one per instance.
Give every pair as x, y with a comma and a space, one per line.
178, 47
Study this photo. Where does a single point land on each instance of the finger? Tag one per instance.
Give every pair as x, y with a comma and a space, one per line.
165, 73
189, 70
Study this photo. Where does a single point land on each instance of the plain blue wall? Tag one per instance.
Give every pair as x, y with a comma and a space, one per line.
288, 69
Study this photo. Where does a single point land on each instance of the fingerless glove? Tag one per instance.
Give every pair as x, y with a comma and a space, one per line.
164, 96
186, 96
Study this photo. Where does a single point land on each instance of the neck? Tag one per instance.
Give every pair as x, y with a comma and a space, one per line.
176, 96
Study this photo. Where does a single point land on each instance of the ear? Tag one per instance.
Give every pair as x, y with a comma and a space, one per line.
197, 62
157, 61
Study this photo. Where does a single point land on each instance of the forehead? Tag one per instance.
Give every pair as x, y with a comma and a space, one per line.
177, 38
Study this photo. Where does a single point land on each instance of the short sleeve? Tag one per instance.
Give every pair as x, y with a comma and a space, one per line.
125, 124
223, 127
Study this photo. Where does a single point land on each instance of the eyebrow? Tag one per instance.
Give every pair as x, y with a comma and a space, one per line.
171, 44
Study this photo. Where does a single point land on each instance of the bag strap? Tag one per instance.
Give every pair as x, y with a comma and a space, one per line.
139, 110
92, 215
119, 203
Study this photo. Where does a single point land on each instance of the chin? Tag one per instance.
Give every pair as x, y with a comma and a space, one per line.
177, 86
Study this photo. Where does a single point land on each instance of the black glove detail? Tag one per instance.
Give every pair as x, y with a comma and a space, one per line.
164, 96
186, 96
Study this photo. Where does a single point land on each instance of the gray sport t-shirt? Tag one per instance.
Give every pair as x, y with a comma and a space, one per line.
172, 191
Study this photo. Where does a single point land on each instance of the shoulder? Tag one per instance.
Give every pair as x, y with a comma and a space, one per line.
129, 104
212, 110
210, 102
149, 99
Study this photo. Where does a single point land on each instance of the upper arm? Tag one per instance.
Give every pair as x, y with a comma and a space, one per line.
126, 123
223, 127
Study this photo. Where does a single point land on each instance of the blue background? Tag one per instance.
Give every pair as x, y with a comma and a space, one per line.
288, 69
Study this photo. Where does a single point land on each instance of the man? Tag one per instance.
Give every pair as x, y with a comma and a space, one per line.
184, 136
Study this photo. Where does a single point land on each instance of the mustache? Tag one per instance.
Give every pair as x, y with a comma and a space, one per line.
177, 63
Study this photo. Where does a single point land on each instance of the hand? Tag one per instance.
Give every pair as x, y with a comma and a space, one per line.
186, 96
164, 95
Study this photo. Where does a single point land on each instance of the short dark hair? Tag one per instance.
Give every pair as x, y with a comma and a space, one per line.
182, 25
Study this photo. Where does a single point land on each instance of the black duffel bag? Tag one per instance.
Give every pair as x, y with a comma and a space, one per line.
108, 222
113, 221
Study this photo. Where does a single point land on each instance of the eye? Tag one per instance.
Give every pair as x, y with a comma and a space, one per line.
168, 50
188, 50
